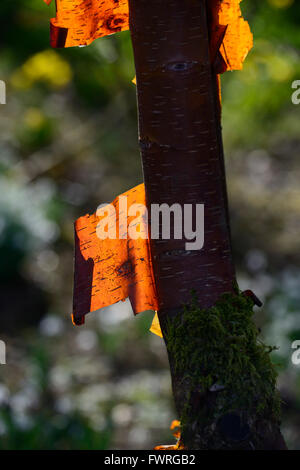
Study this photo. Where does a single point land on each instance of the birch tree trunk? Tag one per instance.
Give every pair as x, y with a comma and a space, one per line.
182, 156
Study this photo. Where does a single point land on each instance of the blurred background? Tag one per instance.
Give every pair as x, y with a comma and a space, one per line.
68, 142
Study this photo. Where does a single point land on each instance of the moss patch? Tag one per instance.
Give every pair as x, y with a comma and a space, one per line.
218, 356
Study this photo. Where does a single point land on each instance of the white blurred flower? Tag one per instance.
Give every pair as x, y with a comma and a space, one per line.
22, 421
90, 399
60, 378
122, 414
98, 422
86, 340
47, 260
26, 204
64, 405
24, 400
51, 325
256, 260
138, 436
114, 314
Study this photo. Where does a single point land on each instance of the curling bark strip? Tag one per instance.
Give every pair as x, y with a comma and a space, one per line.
79, 22
110, 270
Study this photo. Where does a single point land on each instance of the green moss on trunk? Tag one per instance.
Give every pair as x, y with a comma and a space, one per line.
225, 374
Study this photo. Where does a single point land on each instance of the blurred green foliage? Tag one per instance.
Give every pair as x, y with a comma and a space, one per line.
68, 142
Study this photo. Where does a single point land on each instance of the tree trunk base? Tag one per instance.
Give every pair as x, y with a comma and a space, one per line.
224, 382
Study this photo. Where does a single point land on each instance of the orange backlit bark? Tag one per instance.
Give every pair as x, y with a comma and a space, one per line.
110, 270
79, 22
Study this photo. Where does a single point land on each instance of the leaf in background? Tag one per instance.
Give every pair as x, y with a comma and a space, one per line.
155, 327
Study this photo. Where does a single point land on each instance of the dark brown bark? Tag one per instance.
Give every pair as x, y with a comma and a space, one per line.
182, 154
179, 144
